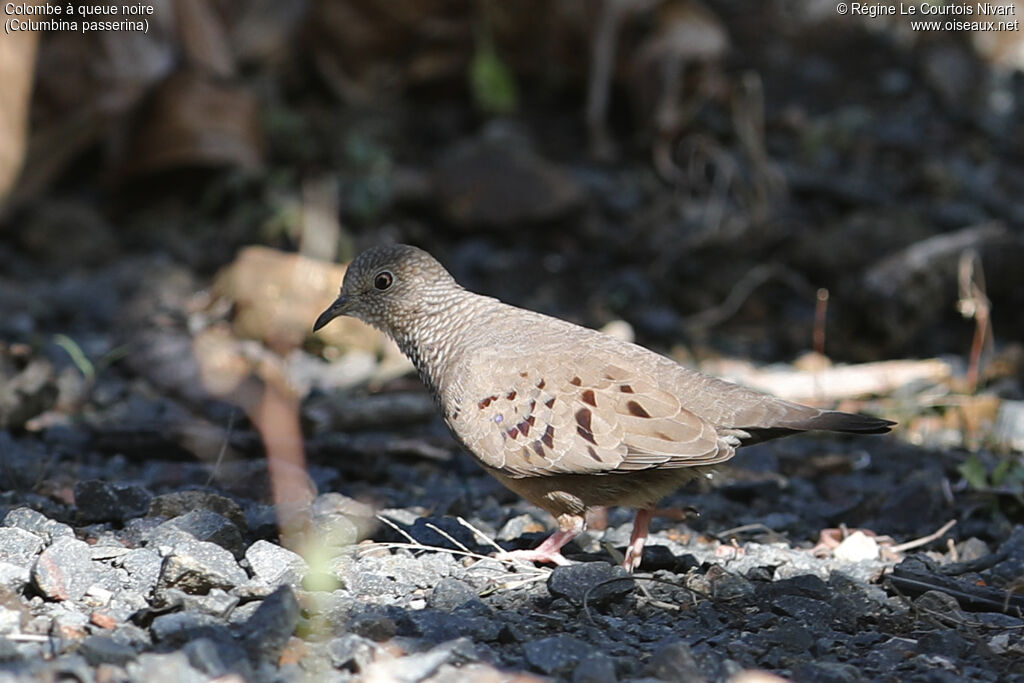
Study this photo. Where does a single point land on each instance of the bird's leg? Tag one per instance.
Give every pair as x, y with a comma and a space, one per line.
634, 553
570, 526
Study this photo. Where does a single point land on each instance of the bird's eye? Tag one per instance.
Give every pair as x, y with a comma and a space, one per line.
383, 280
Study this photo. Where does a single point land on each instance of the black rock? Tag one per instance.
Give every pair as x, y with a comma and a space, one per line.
827, 672
596, 668
218, 658
101, 501
557, 655
266, 633
674, 661
182, 502
204, 525
423, 533
177, 628
598, 582
815, 614
105, 649
791, 635
373, 624
807, 585
437, 627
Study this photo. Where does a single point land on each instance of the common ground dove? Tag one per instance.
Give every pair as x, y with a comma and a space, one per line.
567, 417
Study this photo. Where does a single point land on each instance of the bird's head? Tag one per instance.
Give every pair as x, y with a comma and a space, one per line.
389, 286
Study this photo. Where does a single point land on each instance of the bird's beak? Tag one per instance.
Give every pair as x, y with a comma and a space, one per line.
339, 307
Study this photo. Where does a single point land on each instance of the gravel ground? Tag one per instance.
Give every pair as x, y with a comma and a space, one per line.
153, 576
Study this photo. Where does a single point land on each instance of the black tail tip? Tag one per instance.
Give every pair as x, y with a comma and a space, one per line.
835, 421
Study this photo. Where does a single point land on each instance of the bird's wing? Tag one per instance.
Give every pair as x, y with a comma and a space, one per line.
581, 416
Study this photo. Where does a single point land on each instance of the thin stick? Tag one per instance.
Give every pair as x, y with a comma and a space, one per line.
400, 530
444, 534
487, 539
924, 540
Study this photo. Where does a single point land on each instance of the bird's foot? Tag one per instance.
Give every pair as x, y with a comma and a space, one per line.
535, 555
635, 549
548, 551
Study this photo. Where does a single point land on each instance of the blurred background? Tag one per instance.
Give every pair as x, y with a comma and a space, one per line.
733, 183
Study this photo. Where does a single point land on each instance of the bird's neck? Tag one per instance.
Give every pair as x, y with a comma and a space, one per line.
442, 333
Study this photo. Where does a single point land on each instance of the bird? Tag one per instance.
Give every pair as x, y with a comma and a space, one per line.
567, 417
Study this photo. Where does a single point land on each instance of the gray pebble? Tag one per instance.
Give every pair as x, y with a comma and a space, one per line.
198, 566
64, 571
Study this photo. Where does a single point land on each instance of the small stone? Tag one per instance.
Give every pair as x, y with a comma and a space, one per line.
198, 566
274, 565
102, 501
557, 655
423, 665
598, 582
18, 546
10, 621
216, 603
519, 525
857, 547
38, 524
14, 576
143, 568
375, 626
451, 594
352, 652
64, 571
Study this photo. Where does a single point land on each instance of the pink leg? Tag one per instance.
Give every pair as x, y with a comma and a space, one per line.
634, 553
548, 551
551, 549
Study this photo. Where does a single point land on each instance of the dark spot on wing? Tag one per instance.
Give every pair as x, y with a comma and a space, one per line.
487, 401
576, 381
525, 425
637, 409
592, 453
511, 395
538, 448
583, 416
541, 384
588, 397
514, 432
550, 402
549, 436
625, 388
